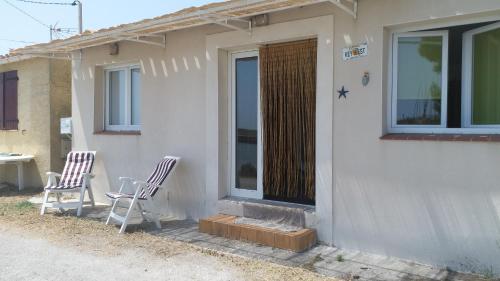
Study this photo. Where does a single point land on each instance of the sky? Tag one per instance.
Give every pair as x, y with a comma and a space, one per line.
97, 14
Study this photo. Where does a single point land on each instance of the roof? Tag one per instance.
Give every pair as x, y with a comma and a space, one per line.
5, 59
150, 29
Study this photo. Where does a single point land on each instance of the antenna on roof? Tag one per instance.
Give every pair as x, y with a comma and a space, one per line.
59, 32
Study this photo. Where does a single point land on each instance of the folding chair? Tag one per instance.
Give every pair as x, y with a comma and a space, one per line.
75, 178
142, 198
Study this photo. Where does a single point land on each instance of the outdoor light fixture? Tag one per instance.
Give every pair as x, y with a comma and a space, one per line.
366, 78
260, 20
114, 49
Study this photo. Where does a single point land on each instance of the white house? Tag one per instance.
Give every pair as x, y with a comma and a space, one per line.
383, 114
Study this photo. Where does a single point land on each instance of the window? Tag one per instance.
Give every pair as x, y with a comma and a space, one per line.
8, 100
419, 96
481, 77
445, 80
247, 168
123, 98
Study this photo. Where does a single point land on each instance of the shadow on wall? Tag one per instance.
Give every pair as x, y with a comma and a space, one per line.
136, 156
442, 225
172, 198
186, 63
490, 270
184, 191
150, 66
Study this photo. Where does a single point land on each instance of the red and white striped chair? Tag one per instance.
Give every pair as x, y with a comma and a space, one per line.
75, 178
143, 195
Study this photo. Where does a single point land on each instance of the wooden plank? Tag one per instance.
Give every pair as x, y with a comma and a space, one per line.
265, 237
298, 241
225, 226
205, 225
220, 226
282, 241
234, 231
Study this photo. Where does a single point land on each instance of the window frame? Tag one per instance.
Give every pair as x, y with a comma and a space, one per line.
394, 127
467, 78
128, 98
238, 192
9, 115
446, 23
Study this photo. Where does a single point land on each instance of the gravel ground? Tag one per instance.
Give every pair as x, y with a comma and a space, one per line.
28, 258
60, 247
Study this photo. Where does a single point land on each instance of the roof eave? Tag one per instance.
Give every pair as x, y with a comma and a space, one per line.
12, 59
233, 11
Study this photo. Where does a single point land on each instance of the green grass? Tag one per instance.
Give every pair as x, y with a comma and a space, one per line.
310, 264
19, 208
339, 258
24, 205
488, 273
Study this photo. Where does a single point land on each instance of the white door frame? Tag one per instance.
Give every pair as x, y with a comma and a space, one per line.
217, 47
257, 194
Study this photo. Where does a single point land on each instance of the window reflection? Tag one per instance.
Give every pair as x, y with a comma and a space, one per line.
246, 122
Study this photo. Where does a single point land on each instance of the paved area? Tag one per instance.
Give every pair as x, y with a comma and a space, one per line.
322, 259
325, 260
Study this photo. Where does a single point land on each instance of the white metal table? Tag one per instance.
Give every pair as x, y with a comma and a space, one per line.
18, 161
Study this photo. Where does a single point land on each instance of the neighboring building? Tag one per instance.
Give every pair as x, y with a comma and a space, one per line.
406, 163
36, 93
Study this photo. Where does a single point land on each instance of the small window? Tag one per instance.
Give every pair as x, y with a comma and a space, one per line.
8, 100
446, 80
420, 79
481, 80
123, 99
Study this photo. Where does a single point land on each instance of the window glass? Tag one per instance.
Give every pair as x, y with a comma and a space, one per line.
419, 80
117, 96
135, 96
486, 79
246, 122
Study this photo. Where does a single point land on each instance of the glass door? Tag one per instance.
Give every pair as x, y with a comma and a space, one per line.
246, 174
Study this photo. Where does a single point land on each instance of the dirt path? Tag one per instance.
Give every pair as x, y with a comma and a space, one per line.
27, 258
63, 247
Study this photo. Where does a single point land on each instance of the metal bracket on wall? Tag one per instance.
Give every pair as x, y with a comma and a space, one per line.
228, 22
143, 38
349, 6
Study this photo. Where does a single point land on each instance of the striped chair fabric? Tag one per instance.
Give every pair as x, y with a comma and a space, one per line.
77, 164
155, 180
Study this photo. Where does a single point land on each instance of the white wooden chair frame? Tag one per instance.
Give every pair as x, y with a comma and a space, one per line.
146, 207
52, 181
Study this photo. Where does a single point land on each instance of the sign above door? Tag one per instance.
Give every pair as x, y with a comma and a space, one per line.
353, 52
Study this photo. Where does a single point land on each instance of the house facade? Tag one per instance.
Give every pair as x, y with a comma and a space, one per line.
405, 156
36, 93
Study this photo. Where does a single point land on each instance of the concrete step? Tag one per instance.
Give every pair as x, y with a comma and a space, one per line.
296, 215
226, 226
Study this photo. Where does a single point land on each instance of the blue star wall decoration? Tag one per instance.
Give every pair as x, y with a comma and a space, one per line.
343, 93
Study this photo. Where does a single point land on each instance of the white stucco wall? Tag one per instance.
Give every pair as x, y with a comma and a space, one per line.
435, 202
173, 86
